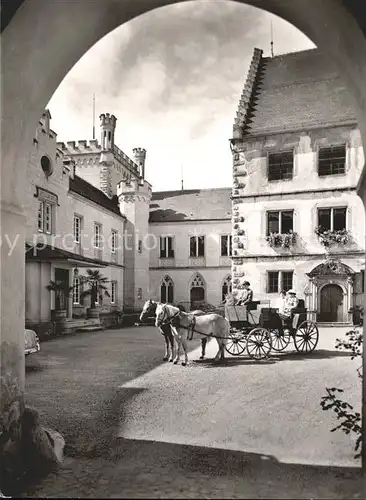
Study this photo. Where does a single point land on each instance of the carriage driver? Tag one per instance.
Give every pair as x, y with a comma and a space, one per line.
246, 295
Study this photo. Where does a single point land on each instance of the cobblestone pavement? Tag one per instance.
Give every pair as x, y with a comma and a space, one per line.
93, 389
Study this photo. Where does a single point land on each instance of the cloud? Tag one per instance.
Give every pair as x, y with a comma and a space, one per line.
173, 77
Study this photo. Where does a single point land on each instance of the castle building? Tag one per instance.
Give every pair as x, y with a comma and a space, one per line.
89, 206
291, 219
297, 156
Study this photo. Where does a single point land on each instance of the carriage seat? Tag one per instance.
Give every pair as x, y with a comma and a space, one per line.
269, 318
252, 306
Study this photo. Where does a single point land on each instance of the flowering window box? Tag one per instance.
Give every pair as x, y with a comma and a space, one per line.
327, 237
286, 240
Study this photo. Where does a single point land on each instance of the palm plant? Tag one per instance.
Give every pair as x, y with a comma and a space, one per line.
61, 292
96, 284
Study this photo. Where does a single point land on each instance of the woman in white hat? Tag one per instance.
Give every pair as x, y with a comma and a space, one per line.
291, 301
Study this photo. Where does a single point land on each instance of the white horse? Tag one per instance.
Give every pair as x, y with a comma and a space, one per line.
149, 310
182, 324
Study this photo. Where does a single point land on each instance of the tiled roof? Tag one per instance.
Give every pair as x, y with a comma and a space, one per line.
82, 187
298, 91
193, 204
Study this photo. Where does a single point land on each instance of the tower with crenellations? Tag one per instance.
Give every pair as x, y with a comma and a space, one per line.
134, 198
103, 164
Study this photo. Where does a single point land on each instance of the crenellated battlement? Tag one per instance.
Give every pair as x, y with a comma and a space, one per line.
134, 187
80, 147
107, 119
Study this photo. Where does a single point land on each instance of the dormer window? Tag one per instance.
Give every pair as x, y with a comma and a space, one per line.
280, 166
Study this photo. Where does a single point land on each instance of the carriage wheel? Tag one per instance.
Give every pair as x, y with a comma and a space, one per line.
259, 343
306, 337
235, 344
280, 339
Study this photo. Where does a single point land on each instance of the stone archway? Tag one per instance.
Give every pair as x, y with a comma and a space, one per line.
330, 291
56, 35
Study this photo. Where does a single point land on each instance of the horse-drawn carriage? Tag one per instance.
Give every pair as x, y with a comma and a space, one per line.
261, 331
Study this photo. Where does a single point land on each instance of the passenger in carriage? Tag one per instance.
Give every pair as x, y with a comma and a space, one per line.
246, 296
290, 303
281, 301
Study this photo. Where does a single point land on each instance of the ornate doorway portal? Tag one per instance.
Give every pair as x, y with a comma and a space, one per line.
330, 292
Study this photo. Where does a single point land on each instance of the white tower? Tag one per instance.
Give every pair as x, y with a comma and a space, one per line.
139, 156
107, 129
134, 201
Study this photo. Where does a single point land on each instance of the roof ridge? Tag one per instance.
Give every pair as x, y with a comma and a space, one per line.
246, 99
295, 52
189, 191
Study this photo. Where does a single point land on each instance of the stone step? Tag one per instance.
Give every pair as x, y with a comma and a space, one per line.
90, 328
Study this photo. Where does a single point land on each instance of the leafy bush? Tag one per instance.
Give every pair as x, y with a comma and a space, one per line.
349, 421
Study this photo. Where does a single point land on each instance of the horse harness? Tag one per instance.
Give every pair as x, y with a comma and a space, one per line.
174, 321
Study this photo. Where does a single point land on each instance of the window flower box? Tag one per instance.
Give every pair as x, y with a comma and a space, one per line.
327, 237
286, 240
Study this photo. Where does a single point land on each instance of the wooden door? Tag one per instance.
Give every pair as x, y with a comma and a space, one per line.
331, 304
63, 276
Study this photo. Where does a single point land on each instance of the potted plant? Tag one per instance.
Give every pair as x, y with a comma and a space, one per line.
62, 292
96, 288
357, 315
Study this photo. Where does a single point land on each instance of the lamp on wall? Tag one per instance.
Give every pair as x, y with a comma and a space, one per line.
76, 272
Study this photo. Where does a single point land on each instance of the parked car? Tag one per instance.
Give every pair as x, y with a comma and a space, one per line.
32, 344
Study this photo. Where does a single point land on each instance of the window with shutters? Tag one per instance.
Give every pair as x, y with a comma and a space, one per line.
166, 247
197, 246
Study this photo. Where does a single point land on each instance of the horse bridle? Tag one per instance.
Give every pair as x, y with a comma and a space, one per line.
169, 318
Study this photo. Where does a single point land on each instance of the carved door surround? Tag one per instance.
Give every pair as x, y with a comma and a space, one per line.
331, 272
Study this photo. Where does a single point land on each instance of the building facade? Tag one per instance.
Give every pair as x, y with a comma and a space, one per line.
297, 157
71, 226
291, 219
190, 261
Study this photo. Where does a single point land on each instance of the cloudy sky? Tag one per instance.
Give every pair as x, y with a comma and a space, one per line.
173, 78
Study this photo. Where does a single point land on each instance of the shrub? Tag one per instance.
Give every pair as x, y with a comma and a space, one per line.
349, 421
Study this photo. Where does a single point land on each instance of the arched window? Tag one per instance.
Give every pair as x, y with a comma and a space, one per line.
227, 287
167, 290
197, 291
